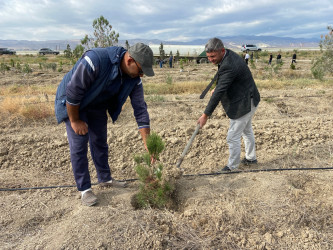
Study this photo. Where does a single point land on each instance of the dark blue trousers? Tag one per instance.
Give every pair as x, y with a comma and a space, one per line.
78, 145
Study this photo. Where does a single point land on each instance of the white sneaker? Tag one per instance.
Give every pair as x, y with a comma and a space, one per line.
89, 198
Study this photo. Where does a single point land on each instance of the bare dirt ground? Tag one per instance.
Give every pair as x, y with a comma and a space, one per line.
247, 210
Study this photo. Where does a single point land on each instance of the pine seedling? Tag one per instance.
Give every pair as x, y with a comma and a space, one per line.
154, 192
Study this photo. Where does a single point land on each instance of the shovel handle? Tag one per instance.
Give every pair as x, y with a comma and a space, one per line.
188, 146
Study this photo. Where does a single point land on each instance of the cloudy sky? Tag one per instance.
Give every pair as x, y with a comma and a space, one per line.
179, 20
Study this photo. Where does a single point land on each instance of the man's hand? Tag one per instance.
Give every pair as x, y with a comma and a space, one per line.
202, 120
144, 134
80, 127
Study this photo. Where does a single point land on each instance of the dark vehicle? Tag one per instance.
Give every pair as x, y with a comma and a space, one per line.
4, 51
250, 47
45, 51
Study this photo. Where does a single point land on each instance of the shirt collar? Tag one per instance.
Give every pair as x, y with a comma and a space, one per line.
225, 53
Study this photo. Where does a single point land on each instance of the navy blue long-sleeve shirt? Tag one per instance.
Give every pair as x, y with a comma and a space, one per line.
86, 73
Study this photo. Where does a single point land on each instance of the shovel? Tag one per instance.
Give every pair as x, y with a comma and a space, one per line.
188, 146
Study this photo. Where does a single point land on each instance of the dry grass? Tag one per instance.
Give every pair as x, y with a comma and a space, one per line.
174, 88
32, 108
27, 90
16, 97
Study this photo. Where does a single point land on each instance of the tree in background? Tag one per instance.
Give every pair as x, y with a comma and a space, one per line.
162, 53
104, 36
68, 52
324, 64
78, 51
127, 45
177, 55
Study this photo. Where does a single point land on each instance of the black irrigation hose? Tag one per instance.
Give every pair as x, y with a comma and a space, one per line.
187, 175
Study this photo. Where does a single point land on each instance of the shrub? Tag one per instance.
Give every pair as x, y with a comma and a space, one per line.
181, 63
324, 64
12, 63
169, 79
18, 66
4, 67
26, 68
52, 66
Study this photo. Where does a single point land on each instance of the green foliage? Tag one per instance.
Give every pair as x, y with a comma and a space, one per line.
12, 63
277, 67
253, 66
52, 66
318, 69
154, 192
4, 67
104, 36
256, 54
26, 68
127, 46
68, 52
264, 53
18, 66
155, 145
169, 79
324, 64
292, 66
181, 63
78, 51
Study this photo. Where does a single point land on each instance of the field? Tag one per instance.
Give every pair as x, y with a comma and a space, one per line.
289, 207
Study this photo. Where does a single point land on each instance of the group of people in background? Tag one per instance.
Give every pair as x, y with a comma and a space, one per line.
279, 58
171, 60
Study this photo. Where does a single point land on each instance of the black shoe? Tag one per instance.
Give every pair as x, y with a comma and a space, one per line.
225, 169
248, 162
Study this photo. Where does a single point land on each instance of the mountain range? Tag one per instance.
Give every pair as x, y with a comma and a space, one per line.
229, 41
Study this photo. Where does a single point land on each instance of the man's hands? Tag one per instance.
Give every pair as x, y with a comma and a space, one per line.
202, 120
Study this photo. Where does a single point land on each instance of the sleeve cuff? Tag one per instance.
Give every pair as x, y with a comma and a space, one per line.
143, 125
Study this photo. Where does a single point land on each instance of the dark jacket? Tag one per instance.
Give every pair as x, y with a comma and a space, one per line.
235, 87
107, 77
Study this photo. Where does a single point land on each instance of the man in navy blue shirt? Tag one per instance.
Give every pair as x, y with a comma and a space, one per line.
100, 82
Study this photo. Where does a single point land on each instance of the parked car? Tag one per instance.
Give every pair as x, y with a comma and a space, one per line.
7, 51
45, 51
250, 47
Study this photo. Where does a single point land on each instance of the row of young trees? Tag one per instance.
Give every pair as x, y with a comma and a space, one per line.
163, 55
104, 36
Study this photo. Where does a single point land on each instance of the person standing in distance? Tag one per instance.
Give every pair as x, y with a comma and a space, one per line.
237, 91
99, 83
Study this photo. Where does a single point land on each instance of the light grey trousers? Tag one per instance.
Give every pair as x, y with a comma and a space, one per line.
238, 128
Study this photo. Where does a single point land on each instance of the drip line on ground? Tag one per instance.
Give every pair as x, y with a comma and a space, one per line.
184, 175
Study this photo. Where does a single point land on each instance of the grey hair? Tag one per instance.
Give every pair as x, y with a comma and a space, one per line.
214, 44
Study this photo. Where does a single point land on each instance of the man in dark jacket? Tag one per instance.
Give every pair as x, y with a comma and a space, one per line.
236, 90
100, 82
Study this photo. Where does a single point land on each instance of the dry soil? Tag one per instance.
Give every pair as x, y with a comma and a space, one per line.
290, 209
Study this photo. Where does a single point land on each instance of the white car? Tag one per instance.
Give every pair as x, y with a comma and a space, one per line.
250, 47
